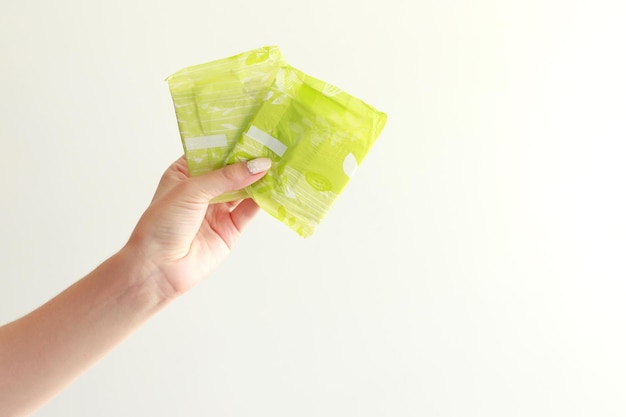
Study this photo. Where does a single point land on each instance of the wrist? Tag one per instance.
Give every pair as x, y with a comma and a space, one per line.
144, 281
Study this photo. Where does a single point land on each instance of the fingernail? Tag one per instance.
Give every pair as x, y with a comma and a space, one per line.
258, 165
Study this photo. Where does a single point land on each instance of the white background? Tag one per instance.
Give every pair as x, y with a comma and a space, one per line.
474, 266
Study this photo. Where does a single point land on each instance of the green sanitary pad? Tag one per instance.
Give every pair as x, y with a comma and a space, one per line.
215, 101
315, 133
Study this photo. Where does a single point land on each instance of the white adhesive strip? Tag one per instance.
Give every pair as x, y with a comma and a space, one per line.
267, 140
205, 142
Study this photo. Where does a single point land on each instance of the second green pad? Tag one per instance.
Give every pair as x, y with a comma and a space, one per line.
317, 135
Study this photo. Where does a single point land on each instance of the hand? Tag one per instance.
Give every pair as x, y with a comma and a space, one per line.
182, 238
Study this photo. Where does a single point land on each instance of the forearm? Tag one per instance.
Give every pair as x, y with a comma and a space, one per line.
181, 239
44, 351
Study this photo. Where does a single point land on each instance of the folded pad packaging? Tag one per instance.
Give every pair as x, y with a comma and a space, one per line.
255, 104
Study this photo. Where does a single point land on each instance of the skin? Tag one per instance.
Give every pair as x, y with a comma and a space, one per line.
179, 240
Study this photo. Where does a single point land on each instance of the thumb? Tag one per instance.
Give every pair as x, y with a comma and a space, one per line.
204, 188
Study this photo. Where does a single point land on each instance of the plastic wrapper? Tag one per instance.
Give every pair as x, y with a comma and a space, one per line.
256, 105
317, 135
215, 101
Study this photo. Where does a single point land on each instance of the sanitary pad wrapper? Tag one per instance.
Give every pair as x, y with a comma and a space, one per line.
316, 134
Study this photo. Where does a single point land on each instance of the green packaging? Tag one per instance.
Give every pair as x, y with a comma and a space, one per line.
317, 135
215, 101
256, 105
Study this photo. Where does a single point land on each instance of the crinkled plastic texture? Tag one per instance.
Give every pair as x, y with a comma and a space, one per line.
214, 102
254, 104
317, 135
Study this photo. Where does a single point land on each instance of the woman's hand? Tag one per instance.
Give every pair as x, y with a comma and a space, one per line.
181, 237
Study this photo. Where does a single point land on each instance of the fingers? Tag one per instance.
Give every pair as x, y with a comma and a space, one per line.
205, 187
174, 174
244, 213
